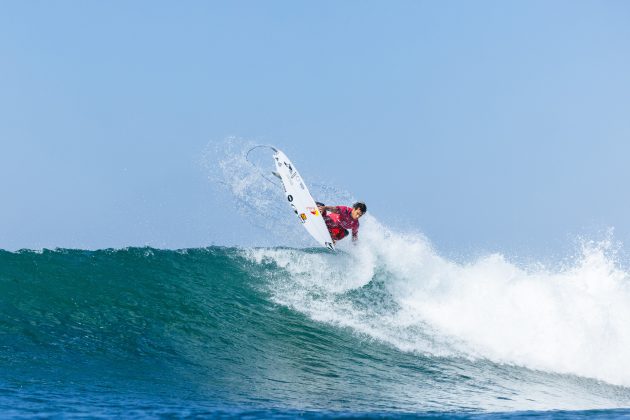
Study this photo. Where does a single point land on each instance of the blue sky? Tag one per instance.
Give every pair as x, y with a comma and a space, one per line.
487, 125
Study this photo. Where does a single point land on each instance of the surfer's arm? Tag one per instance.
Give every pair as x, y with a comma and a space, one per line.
355, 235
333, 209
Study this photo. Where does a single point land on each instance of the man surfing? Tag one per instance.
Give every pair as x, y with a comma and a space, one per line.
341, 218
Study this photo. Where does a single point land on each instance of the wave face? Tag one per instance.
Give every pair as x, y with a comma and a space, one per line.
371, 329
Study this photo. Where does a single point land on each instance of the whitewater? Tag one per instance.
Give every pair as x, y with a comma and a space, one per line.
389, 327
572, 321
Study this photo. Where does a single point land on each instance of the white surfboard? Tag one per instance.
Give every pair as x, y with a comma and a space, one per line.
301, 201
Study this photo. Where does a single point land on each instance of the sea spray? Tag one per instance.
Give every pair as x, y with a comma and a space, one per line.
247, 185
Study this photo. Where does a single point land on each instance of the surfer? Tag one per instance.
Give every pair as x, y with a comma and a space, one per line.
341, 218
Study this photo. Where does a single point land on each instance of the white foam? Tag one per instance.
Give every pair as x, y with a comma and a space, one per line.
574, 320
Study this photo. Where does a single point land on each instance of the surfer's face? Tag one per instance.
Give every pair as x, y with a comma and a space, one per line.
356, 213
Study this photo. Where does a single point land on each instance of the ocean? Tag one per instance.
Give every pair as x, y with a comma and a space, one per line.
371, 331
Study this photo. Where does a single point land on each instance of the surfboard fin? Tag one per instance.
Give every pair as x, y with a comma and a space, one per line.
276, 174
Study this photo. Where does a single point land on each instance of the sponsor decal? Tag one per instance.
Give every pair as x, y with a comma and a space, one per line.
288, 165
301, 185
303, 217
329, 246
313, 211
290, 198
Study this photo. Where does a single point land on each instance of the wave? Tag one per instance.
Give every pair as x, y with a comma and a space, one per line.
393, 327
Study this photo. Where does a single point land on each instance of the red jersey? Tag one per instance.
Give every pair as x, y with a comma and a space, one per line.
343, 219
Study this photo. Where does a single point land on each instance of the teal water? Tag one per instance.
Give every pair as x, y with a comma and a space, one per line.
256, 332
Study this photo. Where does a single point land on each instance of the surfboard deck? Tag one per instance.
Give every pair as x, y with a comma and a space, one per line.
301, 201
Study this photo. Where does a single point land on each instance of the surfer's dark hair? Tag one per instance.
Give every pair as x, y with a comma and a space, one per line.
361, 206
